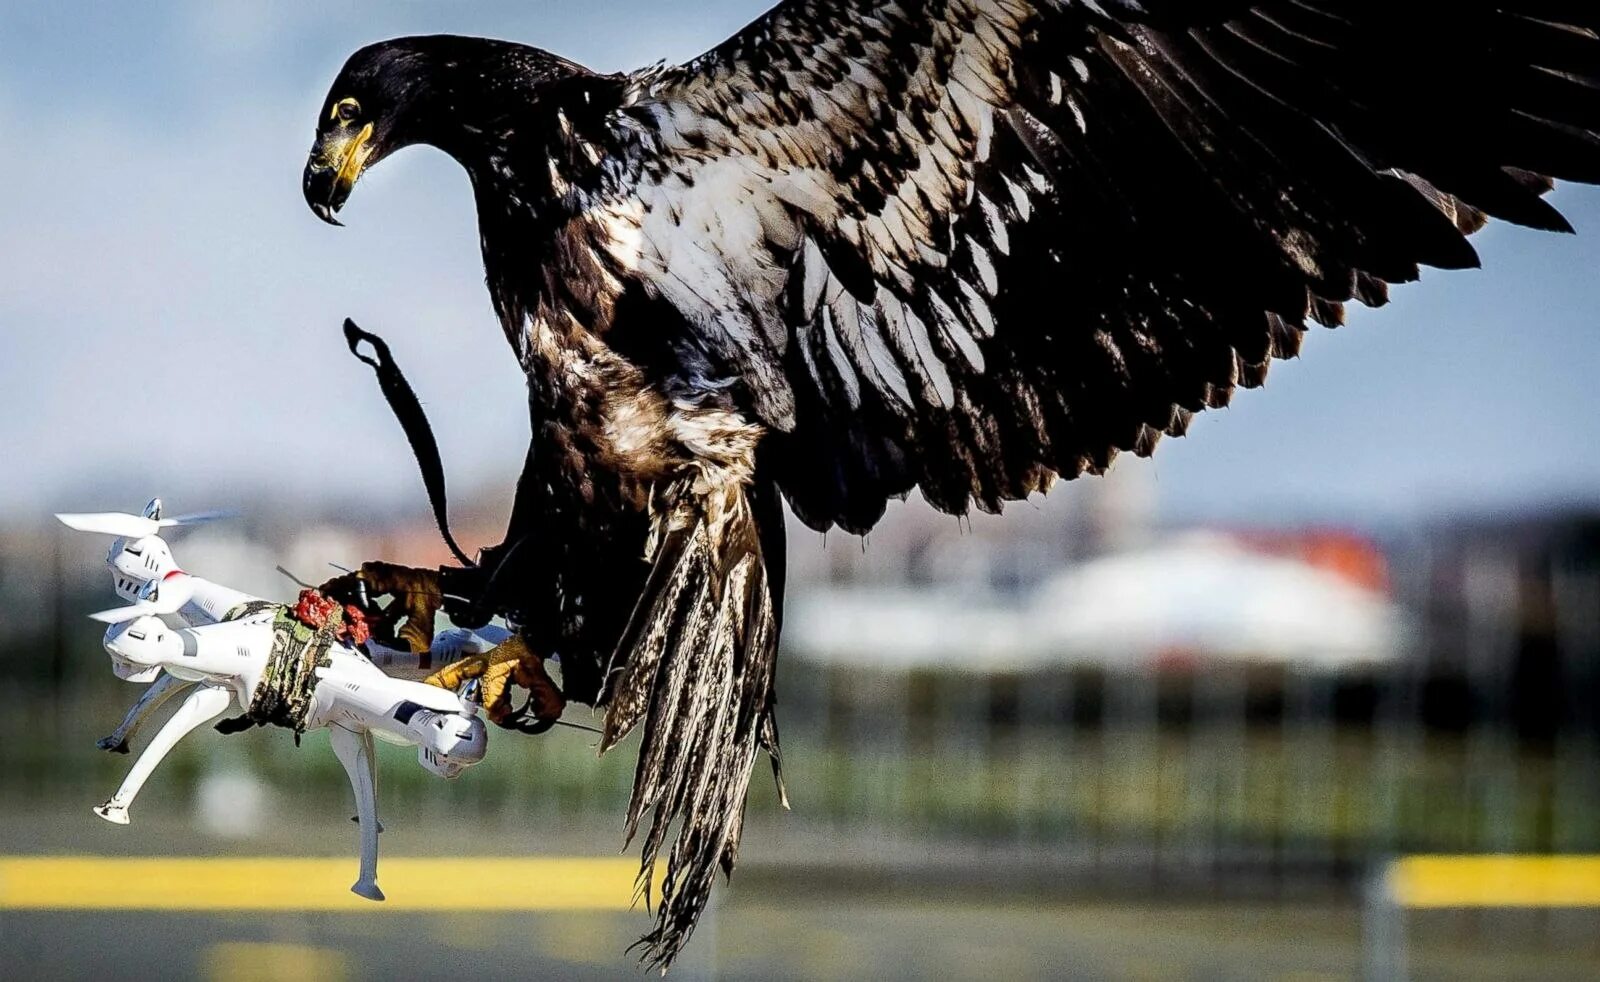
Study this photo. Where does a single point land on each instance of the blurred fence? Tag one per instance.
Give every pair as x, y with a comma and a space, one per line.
1481, 737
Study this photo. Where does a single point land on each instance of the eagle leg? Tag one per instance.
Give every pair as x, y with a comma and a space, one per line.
509, 662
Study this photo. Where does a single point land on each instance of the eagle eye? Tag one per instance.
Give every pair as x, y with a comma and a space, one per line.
346, 110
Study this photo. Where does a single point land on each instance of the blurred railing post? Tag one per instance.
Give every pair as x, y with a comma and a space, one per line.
1401, 736
1493, 598
1577, 749
1383, 928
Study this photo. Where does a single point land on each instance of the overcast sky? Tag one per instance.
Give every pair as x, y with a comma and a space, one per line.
169, 309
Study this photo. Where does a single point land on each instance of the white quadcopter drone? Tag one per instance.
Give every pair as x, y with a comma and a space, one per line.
182, 631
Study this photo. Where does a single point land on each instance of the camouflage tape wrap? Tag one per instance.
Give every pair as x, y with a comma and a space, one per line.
283, 697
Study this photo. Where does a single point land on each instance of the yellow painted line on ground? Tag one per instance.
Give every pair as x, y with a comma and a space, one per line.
1495, 881
249, 961
316, 884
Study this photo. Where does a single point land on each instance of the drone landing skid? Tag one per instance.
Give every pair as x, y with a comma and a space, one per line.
112, 812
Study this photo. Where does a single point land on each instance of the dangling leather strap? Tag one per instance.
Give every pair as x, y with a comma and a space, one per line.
408, 410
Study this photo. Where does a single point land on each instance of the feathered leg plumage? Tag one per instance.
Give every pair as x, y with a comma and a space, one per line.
695, 665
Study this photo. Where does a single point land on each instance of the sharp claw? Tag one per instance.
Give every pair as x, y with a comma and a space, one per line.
536, 725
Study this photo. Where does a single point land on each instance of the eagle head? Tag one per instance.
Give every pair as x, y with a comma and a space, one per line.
459, 94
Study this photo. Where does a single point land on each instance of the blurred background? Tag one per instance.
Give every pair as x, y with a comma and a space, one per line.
1166, 724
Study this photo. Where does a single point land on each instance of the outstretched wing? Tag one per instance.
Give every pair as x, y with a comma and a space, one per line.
971, 245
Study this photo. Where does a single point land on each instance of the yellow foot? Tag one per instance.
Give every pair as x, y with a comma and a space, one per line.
508, 663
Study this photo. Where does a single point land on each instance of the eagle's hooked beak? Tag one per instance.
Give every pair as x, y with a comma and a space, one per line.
335, 163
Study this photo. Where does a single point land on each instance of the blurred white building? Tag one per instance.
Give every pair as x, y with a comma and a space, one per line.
1191, 598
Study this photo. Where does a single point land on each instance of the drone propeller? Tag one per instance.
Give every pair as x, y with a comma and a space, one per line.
155, 597
135, 526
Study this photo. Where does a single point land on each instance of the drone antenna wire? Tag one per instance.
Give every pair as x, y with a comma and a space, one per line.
297, 581
580, 726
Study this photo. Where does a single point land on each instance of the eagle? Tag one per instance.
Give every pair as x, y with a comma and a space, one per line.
862, 247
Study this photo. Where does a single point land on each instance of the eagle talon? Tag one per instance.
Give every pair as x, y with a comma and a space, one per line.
416, 599
527, 719
509, 663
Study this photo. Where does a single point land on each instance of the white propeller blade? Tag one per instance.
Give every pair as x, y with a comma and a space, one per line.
156, 597
199, 517
112, 523
117, 615
132, 526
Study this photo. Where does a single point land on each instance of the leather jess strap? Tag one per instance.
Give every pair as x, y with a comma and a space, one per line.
408, 410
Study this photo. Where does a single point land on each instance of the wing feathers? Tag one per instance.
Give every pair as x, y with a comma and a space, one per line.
969, 246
